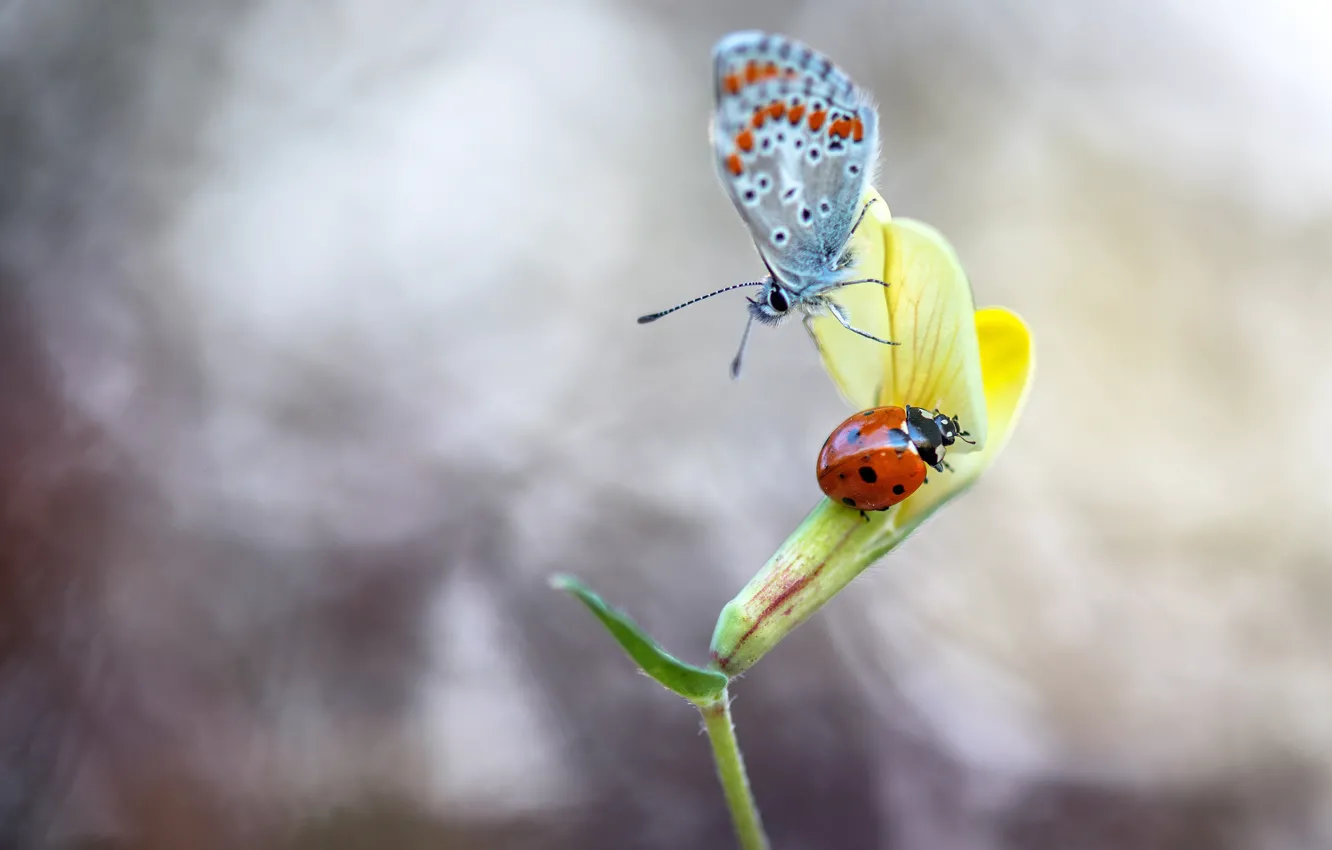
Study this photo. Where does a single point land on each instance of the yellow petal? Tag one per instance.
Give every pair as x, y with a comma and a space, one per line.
929, 309
834, 544
1006, 365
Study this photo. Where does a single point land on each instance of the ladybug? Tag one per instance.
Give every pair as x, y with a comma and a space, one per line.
878, 457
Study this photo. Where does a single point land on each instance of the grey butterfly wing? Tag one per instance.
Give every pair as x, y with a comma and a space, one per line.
795, 143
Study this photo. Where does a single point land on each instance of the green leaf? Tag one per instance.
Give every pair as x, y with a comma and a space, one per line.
693, 683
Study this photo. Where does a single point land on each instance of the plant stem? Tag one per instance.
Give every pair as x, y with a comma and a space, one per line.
731, 770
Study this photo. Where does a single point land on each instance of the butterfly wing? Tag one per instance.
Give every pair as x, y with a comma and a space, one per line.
795, 142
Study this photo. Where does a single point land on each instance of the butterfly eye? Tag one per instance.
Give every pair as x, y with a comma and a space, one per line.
777, 301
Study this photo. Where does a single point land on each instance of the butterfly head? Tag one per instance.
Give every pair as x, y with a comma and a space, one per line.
773, 302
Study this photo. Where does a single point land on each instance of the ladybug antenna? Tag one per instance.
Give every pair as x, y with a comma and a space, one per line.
962, 435
957, 427
652, 317
739, 355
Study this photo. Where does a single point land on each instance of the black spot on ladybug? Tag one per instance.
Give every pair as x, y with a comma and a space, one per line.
868, 475
898, 489
848, 501
841, 476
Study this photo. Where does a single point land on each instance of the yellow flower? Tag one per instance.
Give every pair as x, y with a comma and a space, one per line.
972, 364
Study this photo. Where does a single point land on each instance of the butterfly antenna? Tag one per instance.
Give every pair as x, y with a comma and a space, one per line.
739, 355
643, 320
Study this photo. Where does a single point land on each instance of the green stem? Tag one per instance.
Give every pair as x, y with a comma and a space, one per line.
731, 769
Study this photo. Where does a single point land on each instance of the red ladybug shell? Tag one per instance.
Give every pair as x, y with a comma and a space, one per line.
869, 461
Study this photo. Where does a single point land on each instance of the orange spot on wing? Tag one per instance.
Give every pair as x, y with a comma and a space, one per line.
733, 164
760, 115
732, 83
840, 129
744, 140
770, 70
751, 72
816, 119
858, 130
796, 113
776, 109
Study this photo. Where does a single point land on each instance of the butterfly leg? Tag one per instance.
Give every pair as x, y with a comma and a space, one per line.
808, 322
863, 280
863, 210
846, 323
740, 355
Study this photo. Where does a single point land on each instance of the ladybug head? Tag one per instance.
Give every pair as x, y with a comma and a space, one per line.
951, 429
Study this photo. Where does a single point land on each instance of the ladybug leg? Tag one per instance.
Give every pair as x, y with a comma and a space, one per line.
865, 516
948, 466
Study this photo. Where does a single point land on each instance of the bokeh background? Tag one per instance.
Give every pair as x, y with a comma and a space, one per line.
317, 356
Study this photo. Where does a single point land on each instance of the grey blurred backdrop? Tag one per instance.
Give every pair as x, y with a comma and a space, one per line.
318, 355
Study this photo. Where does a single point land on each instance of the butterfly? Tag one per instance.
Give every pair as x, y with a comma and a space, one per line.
796, 142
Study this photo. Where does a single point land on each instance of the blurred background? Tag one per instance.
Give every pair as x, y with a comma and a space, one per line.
317, 357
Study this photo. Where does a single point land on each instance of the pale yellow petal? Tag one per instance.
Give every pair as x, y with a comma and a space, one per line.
929, 309
856, 364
